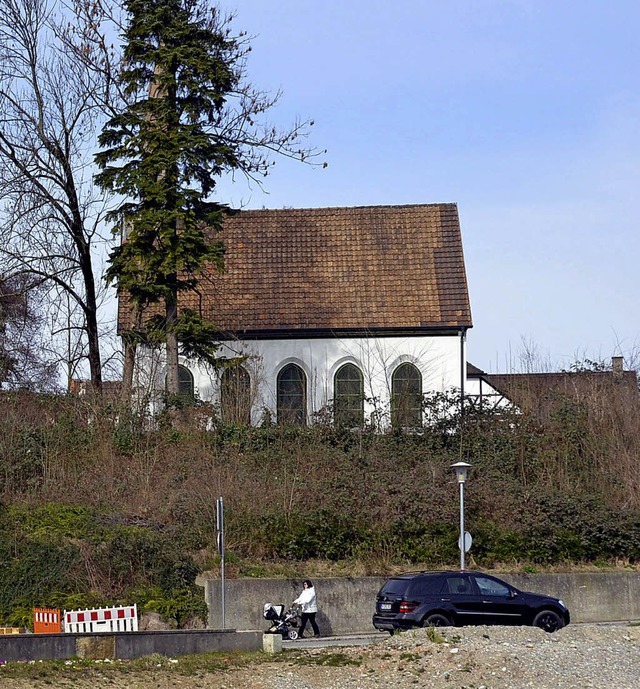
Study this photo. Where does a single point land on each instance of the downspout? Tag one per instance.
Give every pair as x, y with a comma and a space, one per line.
463, 374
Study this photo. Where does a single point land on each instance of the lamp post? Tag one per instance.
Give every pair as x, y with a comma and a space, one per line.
461, 469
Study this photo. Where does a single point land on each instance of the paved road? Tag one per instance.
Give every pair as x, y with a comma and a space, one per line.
343, 640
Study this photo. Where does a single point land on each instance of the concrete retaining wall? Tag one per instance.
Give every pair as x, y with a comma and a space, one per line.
346, 604
126, 645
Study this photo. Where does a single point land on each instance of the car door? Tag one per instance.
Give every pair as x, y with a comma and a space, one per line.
499, 602
459, 593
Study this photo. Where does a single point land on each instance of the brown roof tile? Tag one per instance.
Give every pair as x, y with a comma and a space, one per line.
362, 268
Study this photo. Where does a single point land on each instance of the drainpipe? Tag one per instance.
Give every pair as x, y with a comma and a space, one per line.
463, 374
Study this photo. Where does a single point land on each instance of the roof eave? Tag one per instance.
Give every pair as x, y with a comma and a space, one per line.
323, 333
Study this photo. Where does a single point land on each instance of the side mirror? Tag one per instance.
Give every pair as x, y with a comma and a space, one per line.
512, 594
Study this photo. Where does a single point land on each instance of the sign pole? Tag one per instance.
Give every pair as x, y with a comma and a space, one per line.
220, 525
462, 539
461, 469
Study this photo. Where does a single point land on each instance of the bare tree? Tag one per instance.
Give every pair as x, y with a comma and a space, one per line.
53, 89
25, 359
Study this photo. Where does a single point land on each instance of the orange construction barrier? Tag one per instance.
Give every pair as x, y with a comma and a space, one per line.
46, 621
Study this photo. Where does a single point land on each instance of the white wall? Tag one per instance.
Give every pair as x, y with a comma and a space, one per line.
480, 389
437, 358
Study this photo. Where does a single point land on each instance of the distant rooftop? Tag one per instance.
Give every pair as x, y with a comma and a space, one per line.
540, 391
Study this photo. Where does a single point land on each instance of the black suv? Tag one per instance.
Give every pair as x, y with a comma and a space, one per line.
441, 599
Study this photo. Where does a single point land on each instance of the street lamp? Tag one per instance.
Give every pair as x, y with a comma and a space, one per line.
461, 469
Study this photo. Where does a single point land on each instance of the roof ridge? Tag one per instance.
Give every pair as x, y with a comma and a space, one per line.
443, 204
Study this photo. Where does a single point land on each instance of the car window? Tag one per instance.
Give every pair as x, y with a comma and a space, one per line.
394, 587
457, 584
423, 586
491, 587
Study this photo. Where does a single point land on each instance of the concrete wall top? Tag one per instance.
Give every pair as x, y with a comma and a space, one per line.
346, 605
126, 645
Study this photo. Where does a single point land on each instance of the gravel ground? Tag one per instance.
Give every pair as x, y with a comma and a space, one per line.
577, 657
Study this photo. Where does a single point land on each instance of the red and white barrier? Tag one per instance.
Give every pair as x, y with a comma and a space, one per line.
121, 619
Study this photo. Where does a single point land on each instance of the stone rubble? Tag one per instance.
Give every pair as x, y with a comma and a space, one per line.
577, 657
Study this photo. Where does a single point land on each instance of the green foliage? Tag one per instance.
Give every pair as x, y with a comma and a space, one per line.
181, 604
30, 571
565, 528
128, 436
422, 540
435, 635
326, 660
319, 534
74, 671
163, 154
190, 117
21, 459
137, 520
198, 337
51, 521
54, 555
180, 71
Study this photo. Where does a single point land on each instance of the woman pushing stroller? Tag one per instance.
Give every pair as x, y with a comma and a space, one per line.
309, 607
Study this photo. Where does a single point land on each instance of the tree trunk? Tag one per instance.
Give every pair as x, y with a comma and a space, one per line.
130, 350
172, 342
95, 365
90, 305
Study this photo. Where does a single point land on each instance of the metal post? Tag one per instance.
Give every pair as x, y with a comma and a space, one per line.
462, 544
224, 621
461, 469
220, 525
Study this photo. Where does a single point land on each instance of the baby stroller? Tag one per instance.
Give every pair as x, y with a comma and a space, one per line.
282, 622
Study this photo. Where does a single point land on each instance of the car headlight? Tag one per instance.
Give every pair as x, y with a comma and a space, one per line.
562, 604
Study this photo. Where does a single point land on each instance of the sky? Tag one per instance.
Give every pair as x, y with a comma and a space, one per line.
526, 113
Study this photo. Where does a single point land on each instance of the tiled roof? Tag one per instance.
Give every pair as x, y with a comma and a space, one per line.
544, 391
327, 269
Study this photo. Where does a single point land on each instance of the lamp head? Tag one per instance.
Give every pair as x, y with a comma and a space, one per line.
461, 469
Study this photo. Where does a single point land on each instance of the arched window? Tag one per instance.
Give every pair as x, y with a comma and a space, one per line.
292, 396
348, 396
185, 382
235, 395
406, 397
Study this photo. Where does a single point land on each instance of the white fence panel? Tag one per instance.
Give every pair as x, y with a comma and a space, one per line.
120, 619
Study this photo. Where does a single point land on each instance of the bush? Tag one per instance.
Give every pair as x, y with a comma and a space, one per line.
99, 505
73, 557
321, 534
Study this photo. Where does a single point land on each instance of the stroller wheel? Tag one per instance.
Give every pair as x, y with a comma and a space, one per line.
292, 635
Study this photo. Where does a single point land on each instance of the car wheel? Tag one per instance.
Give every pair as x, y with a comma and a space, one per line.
292, 634
548, 620
436, 620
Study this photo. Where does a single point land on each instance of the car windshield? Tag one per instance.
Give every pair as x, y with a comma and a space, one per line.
394, 587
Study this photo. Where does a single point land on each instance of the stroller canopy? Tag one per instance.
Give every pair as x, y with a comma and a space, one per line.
273, 612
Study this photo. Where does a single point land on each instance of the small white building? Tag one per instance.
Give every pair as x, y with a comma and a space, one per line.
343, 314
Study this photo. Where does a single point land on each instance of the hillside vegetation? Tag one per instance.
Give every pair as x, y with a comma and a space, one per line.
100, 506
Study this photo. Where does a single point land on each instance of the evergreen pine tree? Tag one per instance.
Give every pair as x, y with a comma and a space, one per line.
190, 118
